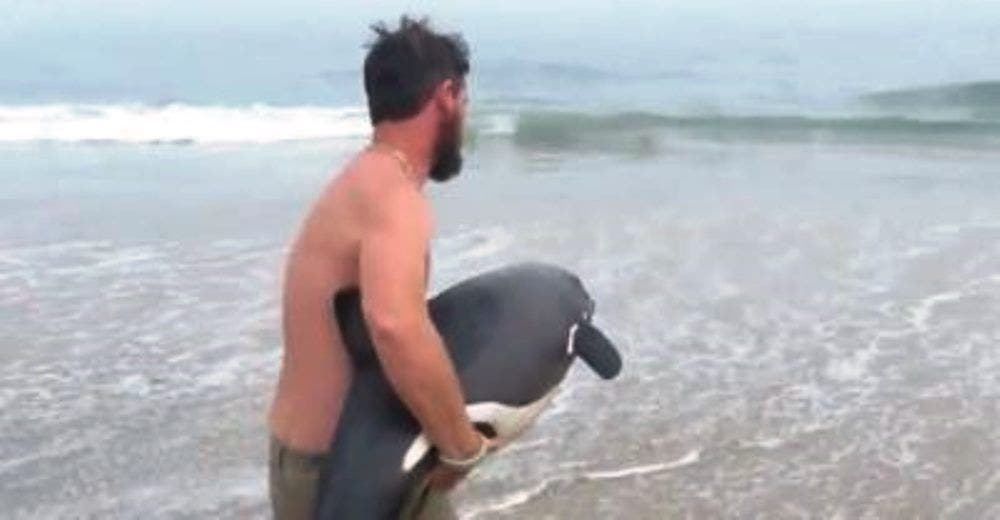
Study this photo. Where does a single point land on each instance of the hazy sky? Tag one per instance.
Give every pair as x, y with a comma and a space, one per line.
51, 47
489, 22
554, 15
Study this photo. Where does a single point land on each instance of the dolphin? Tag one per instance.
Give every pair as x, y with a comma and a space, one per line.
512, 334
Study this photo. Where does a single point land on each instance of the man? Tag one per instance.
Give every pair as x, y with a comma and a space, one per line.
370, 229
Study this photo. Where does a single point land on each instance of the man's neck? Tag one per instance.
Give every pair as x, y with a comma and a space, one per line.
409, 141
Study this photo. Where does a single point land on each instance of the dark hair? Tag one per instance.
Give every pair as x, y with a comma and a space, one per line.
404, 66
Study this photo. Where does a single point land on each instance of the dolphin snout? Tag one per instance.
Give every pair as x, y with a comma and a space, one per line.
597, 350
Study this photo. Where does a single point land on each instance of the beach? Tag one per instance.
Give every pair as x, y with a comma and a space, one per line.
805, 289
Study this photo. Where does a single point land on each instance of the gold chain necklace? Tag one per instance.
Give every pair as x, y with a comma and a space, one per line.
404, 163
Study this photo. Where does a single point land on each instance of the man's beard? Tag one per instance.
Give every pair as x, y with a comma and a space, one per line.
447, 151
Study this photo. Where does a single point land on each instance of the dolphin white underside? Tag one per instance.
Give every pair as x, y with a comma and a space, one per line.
509, 422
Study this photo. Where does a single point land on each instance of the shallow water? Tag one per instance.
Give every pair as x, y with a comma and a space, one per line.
809, 330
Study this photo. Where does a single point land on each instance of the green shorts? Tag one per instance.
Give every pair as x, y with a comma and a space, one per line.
294, 479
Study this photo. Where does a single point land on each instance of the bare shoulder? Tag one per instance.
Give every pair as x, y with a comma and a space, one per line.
385, 194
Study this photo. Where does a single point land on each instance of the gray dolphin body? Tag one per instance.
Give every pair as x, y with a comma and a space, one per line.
512, 334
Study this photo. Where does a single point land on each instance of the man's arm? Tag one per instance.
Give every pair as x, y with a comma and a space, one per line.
393, 284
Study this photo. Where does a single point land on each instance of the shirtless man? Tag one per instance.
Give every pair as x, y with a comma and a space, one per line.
370, 229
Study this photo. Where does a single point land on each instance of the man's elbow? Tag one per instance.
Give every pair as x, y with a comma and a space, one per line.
389, 328
396, 341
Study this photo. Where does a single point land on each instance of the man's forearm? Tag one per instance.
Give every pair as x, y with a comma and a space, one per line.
419, 370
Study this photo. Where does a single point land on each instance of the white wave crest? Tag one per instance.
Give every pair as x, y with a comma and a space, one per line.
179, 123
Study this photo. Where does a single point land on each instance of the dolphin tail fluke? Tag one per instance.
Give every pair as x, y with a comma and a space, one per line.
597, 350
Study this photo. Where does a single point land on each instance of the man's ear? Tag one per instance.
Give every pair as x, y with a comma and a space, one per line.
447, 95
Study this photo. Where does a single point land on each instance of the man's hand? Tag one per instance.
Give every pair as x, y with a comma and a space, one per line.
444, 478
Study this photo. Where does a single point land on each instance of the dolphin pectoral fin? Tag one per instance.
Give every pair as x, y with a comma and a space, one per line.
597, 351
417, 451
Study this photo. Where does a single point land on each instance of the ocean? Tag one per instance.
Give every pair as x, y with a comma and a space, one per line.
789, 216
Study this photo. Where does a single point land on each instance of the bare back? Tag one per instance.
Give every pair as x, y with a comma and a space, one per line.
323, 260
